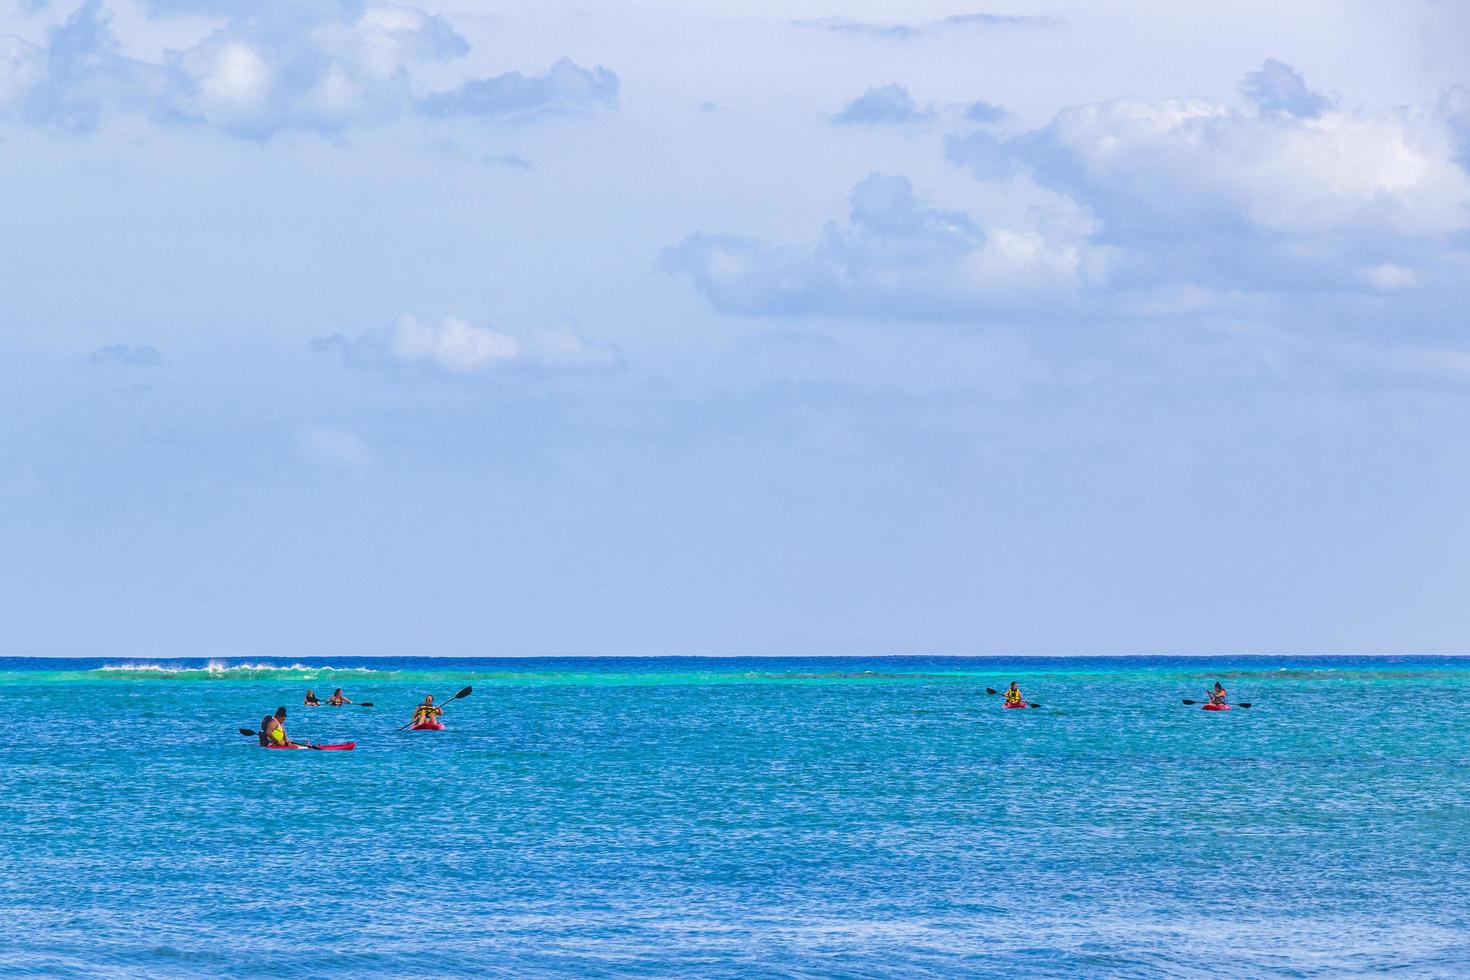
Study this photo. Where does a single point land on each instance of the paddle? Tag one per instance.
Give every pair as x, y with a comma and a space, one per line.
250, 733
1241, 704
991, 690
462, 694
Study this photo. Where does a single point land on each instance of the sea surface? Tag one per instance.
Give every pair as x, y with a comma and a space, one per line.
738, 817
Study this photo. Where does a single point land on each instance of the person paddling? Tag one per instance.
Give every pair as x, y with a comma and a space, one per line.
1013, 695
273, 729
311, 699
426, 712
1218, 695
338, 699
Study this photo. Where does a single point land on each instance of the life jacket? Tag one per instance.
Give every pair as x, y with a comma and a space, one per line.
1013, 696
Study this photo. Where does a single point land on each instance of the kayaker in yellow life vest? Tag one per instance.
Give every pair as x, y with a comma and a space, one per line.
273, 729
338, 699
426, 712
1013, 694
1218, 695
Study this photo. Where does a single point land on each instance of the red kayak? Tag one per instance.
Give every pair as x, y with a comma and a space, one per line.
339, 747
427, 726
1018, 704
1214, 707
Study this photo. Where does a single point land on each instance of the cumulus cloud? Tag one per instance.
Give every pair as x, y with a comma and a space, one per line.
1278, 87
1143, 209
566, 88
896, 256
906, 32
68, 82
1455, 108
885, 105
313, 65
456, 346
985, 112
1287, 194
453, 344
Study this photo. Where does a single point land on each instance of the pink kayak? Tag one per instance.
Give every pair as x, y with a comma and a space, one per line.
427, 726
1018, 704
339, 747
1214, 707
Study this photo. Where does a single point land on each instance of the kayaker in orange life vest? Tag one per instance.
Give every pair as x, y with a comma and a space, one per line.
426, 712
1013, 694
1218, 695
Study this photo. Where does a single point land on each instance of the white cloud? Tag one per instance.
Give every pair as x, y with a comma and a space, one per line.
273, 68
565, 89
1144, 208
886, 105
22, 68
454, 345
564, 348
1278, 87
896, 256
332, 446
1291, 193
910, 31
457, 346
1388, 277
1176, 162
230, 82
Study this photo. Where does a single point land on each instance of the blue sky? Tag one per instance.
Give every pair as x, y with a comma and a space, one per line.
332, 327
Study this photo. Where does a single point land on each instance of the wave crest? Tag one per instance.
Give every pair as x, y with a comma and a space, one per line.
219, 670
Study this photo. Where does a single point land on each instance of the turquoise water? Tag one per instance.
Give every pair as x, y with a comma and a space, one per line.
804, 818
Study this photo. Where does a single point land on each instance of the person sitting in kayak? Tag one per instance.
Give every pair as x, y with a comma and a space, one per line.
273, 729
426, 712
1013, 694
311, 699
1218, 695
338, 699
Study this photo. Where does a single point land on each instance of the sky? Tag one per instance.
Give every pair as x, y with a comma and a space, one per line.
564, 328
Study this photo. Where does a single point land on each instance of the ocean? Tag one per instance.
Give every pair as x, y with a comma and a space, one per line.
809, 817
